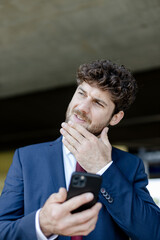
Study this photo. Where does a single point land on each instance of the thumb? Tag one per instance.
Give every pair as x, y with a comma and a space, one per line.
59, 197
104, 135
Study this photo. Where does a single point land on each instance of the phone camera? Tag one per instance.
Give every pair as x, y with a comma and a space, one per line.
79, 181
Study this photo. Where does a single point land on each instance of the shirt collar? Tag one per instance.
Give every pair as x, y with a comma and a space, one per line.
66, 150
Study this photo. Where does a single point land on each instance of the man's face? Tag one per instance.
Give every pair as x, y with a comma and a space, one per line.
90, 107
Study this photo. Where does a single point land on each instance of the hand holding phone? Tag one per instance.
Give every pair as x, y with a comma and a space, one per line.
84, 182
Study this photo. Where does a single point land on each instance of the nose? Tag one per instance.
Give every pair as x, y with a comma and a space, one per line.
84, 106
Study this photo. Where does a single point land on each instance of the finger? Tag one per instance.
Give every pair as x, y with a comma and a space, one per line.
81, 229
85, 228
83, 131
77, 201
58, 197
88, 214
70, 139
104, 136
71, 148
85, 221
73, 132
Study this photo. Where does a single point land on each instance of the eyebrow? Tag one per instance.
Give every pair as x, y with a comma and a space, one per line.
95, 99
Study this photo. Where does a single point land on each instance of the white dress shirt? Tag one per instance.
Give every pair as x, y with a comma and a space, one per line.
69, 168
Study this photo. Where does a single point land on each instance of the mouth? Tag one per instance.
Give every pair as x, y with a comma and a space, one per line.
79, 118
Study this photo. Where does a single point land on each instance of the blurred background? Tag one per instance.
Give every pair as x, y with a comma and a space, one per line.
42, 44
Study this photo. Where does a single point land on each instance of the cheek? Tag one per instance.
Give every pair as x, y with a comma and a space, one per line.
71, 107
101, 118
73, 103
97, 117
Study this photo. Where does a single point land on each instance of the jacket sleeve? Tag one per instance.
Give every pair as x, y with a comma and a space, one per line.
129, 203
14, 224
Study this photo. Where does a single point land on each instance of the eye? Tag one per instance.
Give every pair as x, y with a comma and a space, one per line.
99, 104
81, 93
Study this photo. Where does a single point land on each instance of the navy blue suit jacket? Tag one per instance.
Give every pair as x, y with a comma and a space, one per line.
37, 171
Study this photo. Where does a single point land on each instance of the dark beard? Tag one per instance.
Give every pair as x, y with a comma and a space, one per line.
96, 130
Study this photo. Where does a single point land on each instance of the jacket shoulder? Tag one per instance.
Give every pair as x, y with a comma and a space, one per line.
128, 163
119, 154
39, 152
40, 146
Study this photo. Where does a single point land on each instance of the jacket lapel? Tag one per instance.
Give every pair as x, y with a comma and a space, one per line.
56, 164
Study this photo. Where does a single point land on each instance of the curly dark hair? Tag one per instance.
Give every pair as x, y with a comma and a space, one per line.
106, 75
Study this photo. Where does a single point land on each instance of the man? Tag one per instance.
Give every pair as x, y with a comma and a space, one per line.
33, 203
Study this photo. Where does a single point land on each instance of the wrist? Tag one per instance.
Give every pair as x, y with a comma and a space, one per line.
100, 172
43, 224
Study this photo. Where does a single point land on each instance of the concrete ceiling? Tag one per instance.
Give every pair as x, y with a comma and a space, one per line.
43, 42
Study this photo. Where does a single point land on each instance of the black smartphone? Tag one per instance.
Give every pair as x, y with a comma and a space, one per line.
82, 182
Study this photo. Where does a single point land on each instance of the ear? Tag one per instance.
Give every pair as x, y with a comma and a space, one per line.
116, 118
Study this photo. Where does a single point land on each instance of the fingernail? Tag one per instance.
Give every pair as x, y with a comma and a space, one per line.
89, 196
63, 124
61, 130
70, 123
99, 205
